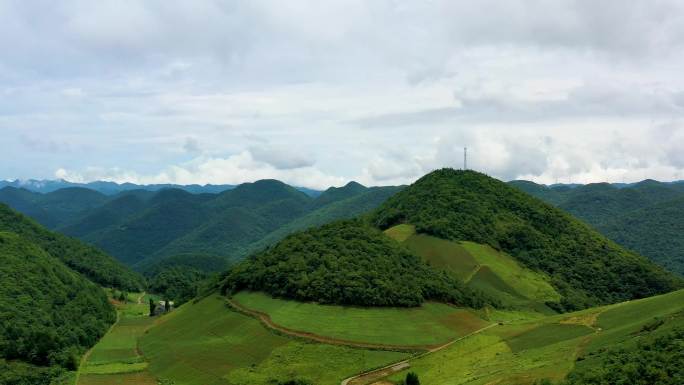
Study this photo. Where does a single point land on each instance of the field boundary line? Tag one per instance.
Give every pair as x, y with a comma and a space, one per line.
266, 320
405, 363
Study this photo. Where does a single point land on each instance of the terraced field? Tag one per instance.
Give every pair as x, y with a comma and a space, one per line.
115, 359
430, 324
207, 343
481, 267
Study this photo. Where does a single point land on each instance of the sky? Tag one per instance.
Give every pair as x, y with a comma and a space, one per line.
318, 93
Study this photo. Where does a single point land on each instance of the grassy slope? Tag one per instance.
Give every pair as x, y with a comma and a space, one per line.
115, 358
206, 343
429, 324
483, 268
524, 351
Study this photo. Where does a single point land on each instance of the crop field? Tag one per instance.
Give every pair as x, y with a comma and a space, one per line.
115, 358
430, 324
207, 343
522, 352
481, 267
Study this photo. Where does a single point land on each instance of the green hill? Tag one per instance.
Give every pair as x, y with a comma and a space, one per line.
87, 260
350, 263
54, 208
364, 201
645, 217
584, 267
334, 194
654, 231
49, 314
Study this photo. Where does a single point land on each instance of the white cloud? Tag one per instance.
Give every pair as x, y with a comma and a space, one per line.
324, 92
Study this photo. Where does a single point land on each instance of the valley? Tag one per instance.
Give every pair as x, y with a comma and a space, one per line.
458, 279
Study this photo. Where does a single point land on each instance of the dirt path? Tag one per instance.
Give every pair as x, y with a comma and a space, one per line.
266, 320
377, 374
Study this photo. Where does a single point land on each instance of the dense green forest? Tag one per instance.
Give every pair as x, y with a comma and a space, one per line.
585, 267
177, 283
55, 208
49, 314
647, 217
145, 228
347, 262
87, 260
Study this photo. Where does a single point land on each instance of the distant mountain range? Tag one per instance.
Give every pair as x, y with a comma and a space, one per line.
149, 228
111, 188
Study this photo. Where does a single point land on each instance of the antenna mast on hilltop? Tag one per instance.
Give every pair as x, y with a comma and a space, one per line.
465, 158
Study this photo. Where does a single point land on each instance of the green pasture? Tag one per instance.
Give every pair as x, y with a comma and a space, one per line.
429, 324
115, 357
207, 343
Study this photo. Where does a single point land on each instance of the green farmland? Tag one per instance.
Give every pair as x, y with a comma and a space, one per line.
480, 267
429, 324
523, 352
206, 343
115, 359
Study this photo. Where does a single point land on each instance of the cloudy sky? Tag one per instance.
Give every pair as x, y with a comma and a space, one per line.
317, 93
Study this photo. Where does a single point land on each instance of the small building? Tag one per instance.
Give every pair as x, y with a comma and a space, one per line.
163, 307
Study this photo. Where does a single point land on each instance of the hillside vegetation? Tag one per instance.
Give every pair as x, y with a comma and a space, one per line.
647, 217
145, 228
49, 314
347, 262
87, 260
55, 208
586, 268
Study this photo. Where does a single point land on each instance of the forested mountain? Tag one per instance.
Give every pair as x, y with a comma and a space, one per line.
55, 208
347, 262
646, 217
586, 268
365, 200
49, 314
145, 228
87, 260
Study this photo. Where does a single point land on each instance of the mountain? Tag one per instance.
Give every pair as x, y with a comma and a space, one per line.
49, 313
654, 231
168, 215
54, 208
334, 194
87, 260
348, 206
644, 216
144, 228
112, 188
586, 268
349, 263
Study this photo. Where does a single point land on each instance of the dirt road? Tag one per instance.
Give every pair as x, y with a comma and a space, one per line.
377, 374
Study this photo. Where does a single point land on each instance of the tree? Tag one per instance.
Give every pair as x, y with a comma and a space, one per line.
412, 379
152, 307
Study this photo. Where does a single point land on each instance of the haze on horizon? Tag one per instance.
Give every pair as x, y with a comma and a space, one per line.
317, 94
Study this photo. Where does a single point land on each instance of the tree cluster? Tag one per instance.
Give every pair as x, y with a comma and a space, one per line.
349, 263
